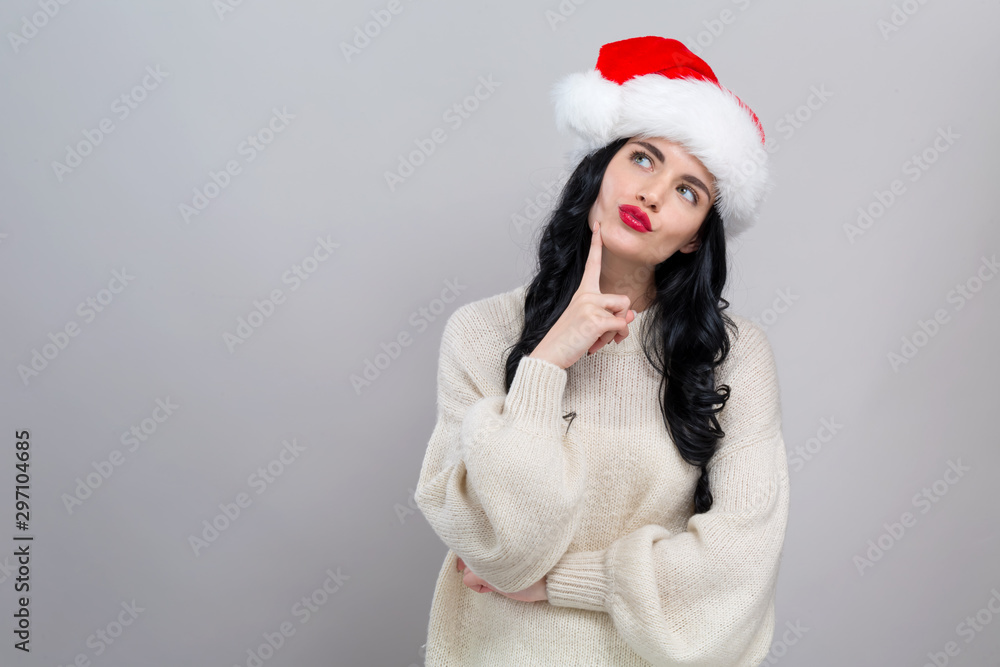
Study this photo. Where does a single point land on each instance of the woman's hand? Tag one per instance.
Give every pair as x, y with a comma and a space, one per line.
591, 320
533, 593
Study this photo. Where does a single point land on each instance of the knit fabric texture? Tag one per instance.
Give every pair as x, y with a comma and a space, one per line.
602, 503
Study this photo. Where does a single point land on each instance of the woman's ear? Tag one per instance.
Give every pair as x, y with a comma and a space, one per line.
691, 245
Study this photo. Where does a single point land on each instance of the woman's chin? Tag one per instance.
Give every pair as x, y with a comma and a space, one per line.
626, 242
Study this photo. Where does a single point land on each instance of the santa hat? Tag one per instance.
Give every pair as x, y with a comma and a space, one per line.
653, 86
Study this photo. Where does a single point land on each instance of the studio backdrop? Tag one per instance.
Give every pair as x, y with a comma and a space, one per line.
232, 232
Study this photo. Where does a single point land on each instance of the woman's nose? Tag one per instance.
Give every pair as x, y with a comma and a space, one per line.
650, 199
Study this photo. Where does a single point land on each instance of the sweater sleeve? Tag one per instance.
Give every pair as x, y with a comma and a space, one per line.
500, 484
704, 596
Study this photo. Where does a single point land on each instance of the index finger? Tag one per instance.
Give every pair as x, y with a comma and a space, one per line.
591, 281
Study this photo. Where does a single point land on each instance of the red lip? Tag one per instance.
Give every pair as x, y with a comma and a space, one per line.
636, 214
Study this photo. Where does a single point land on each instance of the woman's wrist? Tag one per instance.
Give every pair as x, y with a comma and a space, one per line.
541, 352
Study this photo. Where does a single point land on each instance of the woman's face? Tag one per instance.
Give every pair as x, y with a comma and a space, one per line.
653, 199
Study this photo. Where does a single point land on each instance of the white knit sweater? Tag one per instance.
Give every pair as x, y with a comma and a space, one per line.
603, 505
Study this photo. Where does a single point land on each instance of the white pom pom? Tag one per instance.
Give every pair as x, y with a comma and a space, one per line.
589, 105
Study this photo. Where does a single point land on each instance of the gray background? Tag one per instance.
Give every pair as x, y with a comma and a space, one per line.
345, 501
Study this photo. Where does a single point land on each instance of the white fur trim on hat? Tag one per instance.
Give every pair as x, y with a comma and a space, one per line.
705, 118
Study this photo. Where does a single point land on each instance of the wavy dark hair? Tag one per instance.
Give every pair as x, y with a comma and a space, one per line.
688, 339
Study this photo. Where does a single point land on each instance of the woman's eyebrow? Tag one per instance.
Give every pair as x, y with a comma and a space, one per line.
697, 183
659, 156
651, 148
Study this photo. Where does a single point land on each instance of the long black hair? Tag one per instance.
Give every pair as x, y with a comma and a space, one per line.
689, 335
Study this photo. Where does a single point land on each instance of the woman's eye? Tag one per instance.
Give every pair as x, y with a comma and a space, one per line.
689, 194
639, 155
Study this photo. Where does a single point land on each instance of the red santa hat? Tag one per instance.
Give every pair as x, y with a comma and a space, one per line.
653, 86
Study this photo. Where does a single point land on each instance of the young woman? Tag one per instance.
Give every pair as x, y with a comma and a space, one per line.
607, 467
